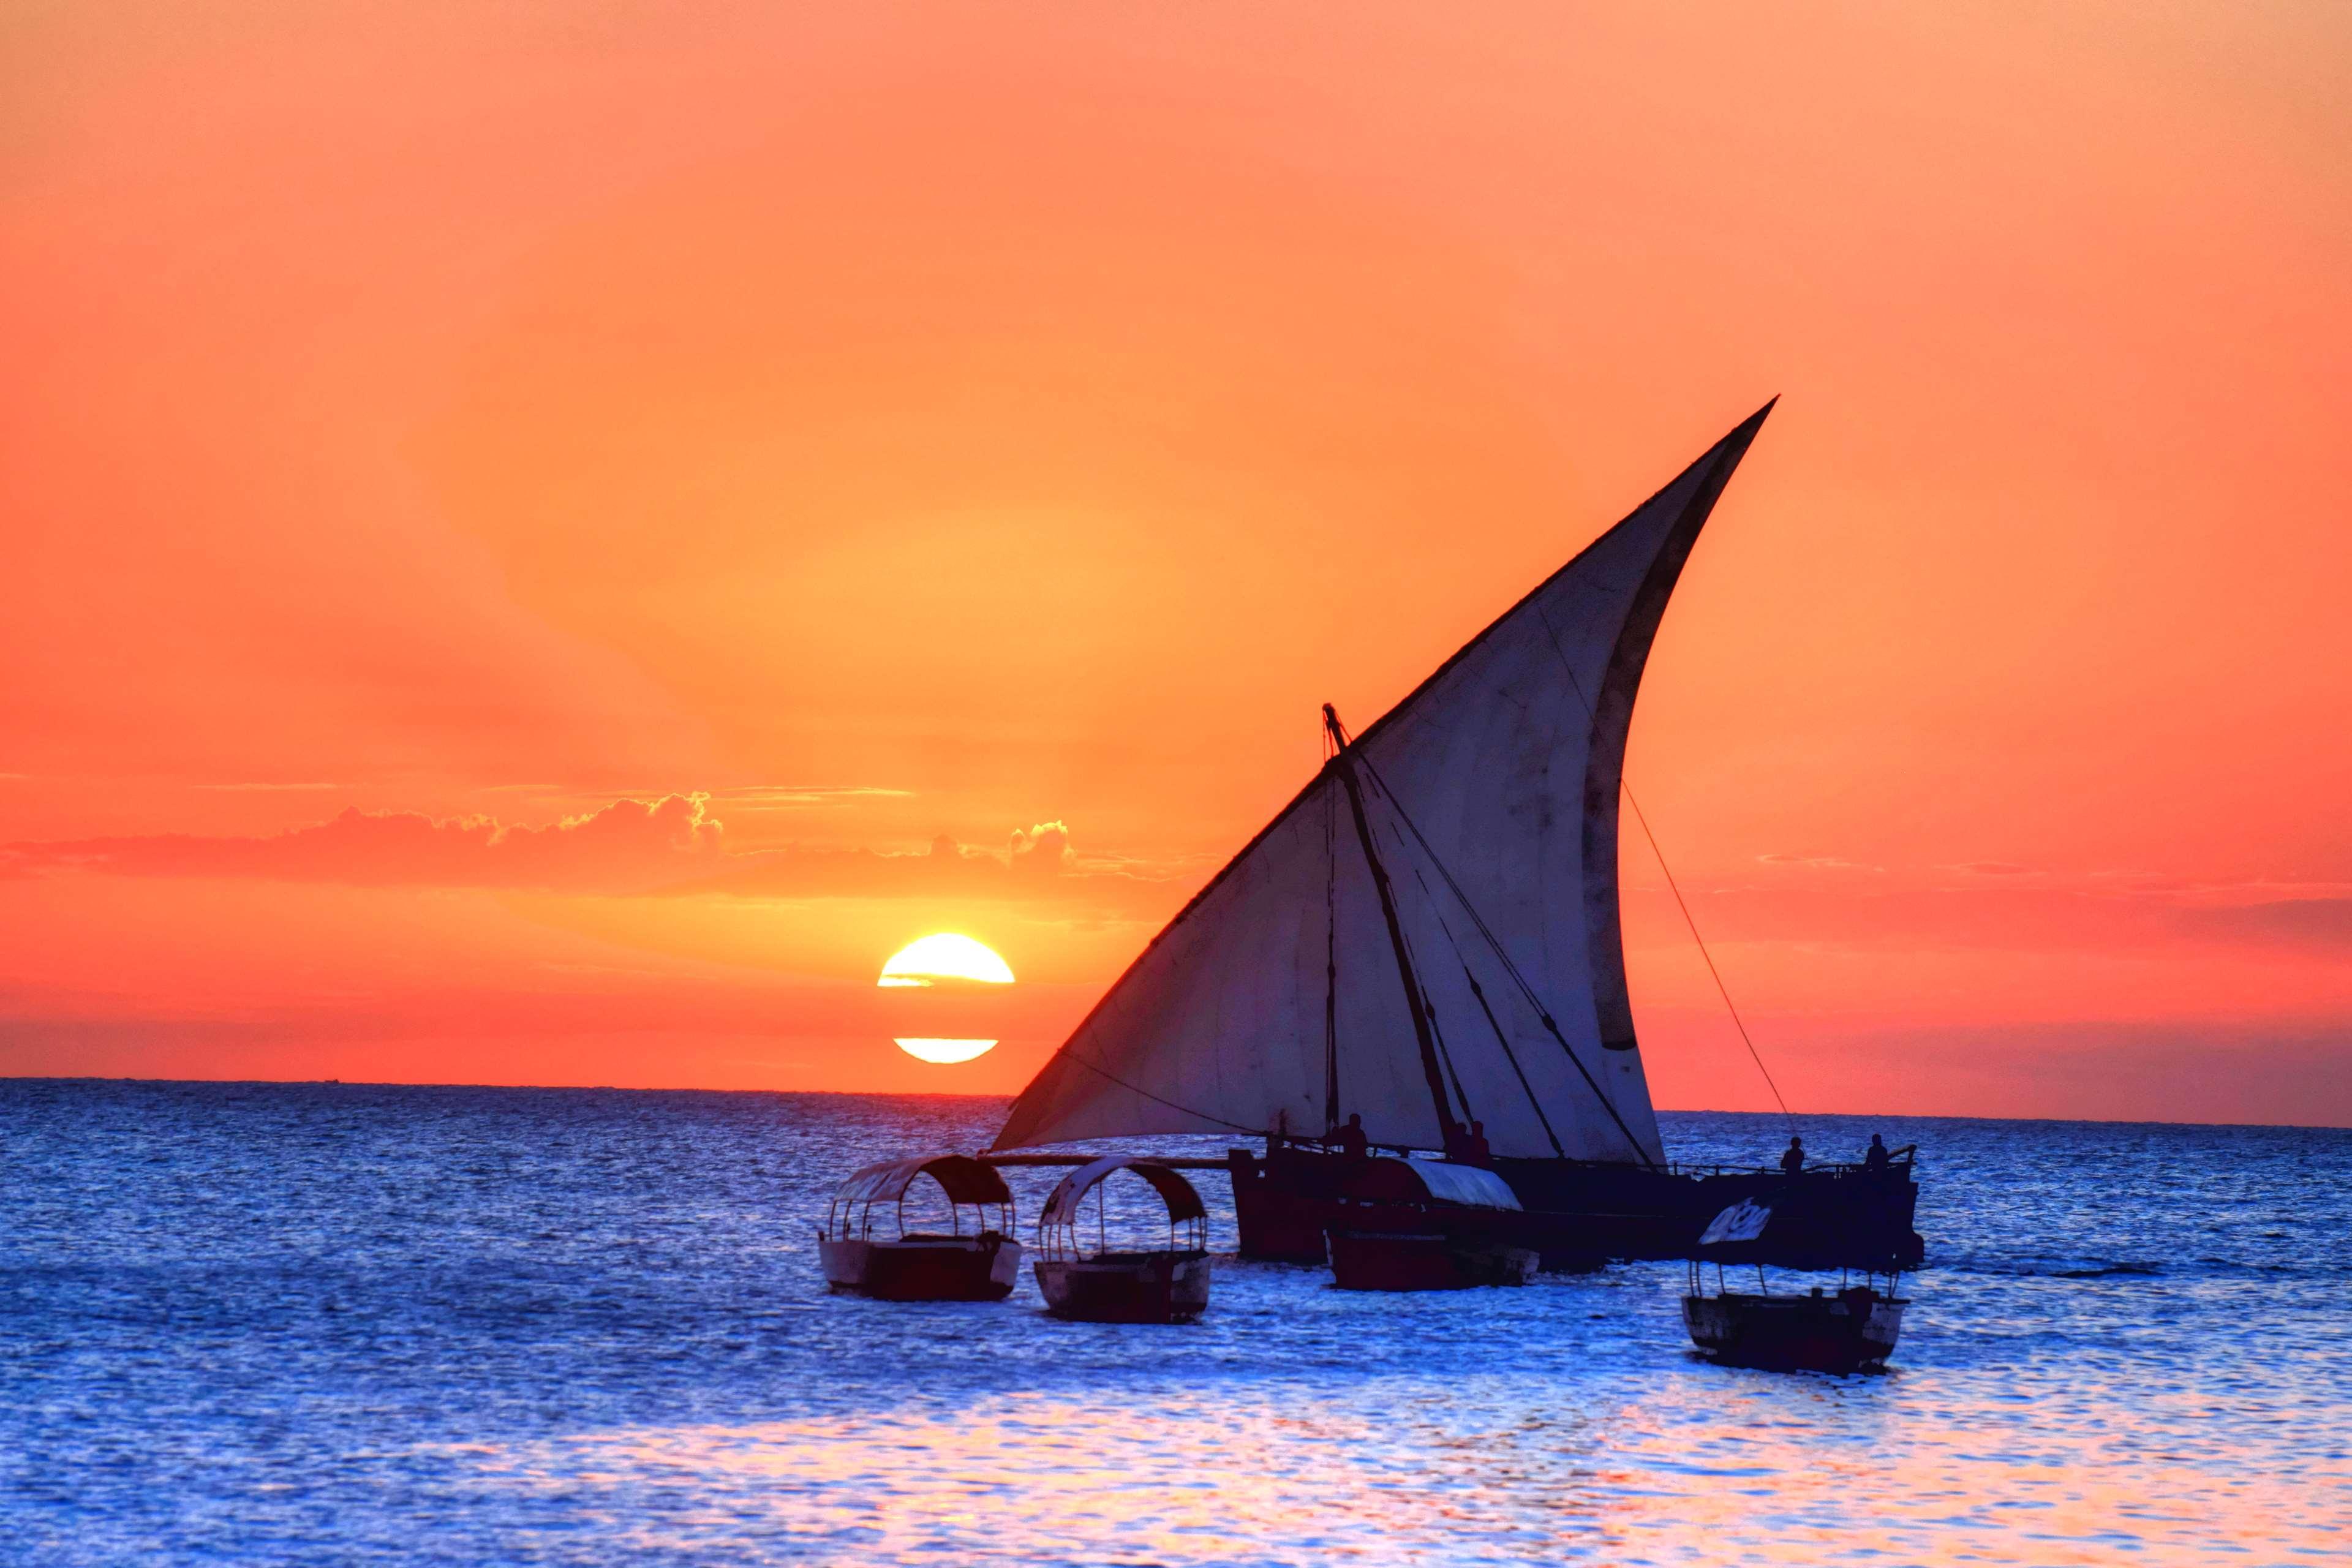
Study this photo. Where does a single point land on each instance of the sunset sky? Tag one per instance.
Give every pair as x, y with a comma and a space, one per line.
545, 542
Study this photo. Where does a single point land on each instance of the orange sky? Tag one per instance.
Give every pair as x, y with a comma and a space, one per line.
528, 526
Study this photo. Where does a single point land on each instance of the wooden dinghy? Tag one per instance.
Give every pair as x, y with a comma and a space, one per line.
1427, 1225
1106, 1284
1813, 1329
866, 1247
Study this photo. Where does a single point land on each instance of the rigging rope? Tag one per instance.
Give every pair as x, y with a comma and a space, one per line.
1720, 989
1552, 636
1486, 1007
1511, 968
1429, 1008
1106, 1072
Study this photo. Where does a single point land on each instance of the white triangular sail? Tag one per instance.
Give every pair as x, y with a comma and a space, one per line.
1492, 794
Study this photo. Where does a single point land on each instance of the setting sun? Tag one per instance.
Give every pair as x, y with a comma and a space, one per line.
944, 956
944, 1052
959, 960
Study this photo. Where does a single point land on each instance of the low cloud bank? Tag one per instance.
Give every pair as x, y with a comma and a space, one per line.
628, 845
668, 844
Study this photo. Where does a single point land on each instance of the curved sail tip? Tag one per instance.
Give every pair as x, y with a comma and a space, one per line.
1741, 433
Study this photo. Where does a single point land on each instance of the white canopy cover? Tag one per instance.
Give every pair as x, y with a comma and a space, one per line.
1491, 797
1469, 1186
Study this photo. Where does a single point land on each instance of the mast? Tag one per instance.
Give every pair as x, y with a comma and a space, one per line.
1449, 1129
1330, 968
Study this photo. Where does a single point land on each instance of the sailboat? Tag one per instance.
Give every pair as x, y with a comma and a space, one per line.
1423, 952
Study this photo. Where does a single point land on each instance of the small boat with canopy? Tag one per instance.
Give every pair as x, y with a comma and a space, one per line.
956, 1242
1115, 1281
1809, 1330
1427, 1225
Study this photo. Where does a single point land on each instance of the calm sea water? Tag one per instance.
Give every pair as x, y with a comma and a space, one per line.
261, 1324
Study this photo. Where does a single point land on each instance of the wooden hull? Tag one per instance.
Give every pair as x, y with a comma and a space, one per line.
1584, 1213
1426, 1261
1283, 1203
924, 1268
1835, 1332
1127, 1288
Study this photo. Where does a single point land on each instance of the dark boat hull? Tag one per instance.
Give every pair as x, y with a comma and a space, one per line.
924, 1269
1582, 1213
1425, 1260
1126, 1287
1284, 1203
1844, 1332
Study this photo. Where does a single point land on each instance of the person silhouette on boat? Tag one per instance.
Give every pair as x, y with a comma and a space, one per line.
1353, 1144
1476, 1150
1875, 1159
1792, 1164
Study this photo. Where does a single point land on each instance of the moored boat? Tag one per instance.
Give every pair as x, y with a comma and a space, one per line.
1812, 1330
1841, 1331
1588, 1212
867, 1245
1124, 1284
1426, 1225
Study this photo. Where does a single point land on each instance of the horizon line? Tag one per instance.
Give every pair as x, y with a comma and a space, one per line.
1012, 1094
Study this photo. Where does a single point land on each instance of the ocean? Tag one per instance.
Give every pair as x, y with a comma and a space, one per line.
264, 1323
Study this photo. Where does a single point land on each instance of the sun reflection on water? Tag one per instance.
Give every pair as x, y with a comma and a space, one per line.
1200, 1478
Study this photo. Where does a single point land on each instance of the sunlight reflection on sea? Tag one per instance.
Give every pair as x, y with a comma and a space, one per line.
1479, 1474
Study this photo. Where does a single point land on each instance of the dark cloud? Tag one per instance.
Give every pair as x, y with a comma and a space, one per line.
628, 845
1817, 862
1039, 865
668, 844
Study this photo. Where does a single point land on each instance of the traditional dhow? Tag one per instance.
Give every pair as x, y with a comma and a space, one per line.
1813, 1329
866, 1247
1106, 1284
1427, 939
1425, 1225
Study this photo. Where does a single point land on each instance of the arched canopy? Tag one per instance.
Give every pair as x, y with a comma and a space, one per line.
1062, 1208
1431, 1181
967, 1180
1736, 1234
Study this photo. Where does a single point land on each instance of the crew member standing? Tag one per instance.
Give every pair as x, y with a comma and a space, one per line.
1793, 1160
1353, 1145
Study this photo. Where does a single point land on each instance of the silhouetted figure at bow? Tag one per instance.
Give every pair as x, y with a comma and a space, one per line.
1875, 1160
1794, 1161
1353, 1144
1476, 1150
